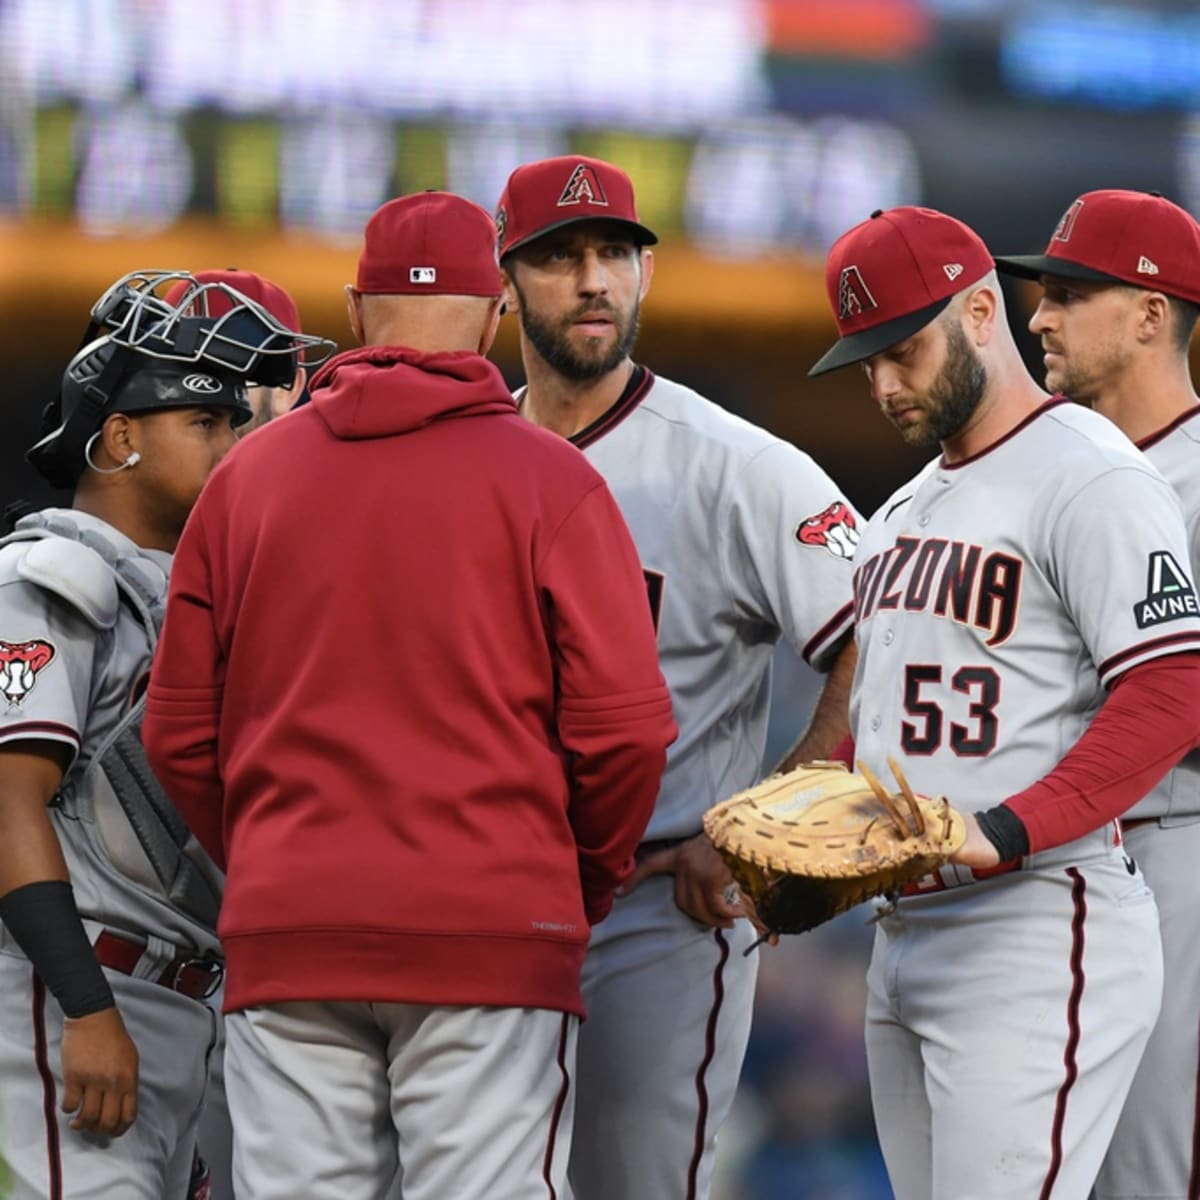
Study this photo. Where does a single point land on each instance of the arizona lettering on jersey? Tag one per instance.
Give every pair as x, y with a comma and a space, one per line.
949, 578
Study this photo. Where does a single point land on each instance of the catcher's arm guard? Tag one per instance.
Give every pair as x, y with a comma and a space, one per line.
812, 843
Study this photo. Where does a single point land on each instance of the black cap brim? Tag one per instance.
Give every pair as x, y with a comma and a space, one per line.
1034, 266
641, 235
855, 347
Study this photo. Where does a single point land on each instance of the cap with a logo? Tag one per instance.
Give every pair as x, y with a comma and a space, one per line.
430, 244
1115, 236
270, 295
889, 276
546, 195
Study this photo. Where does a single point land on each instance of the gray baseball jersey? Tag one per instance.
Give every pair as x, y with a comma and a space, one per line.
743, 539
79, 608
1155, 1150
996, 601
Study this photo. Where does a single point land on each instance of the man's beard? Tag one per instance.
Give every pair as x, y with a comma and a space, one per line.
550, 339
956, 392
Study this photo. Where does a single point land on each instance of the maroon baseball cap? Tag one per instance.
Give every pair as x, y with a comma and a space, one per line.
554, 192
430, 244
892, 274
1114, 236
270, 295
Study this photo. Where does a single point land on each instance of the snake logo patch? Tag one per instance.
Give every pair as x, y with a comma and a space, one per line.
836, 529
1169, 593
20, 665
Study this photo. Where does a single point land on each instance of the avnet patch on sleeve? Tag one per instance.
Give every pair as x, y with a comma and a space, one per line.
1170, 595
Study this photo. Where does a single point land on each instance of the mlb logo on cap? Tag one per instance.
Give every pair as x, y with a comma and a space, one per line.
430, 243
889, 276
1116, 236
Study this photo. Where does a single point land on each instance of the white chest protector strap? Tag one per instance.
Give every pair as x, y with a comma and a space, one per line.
89, 573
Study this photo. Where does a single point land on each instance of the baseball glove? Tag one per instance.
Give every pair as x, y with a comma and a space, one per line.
818, 840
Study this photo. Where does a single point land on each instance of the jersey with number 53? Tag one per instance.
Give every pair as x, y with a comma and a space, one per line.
998, 598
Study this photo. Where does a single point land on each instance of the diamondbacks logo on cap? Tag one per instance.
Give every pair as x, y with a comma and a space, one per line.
854, 296
1169, 592
422, 274
1146, 267
584, 187
20, 665
1062, 232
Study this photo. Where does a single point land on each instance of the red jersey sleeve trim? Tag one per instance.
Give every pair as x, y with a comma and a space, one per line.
1175, 643
41, 731
828, 632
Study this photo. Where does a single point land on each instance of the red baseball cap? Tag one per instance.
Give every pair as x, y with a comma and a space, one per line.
270, 295
1113, 236
430, 244
546, 195
892, 274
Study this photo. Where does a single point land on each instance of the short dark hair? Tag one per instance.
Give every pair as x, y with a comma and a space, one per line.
1184, 314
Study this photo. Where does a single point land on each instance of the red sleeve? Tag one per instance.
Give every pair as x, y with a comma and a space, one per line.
183, 701
1149, 722
843, 752
614, 710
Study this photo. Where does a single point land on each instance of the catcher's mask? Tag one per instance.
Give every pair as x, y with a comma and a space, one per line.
140, 354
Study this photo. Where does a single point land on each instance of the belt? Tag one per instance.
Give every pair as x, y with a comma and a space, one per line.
190, 975
927, 885
654, 845
1127, 823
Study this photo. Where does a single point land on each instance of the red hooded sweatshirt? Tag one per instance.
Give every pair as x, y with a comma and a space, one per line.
408, 694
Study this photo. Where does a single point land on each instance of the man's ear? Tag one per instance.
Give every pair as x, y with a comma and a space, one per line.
980, 309
1154, 316
647, 260
510, 301
117, 441
354, 312
495, 312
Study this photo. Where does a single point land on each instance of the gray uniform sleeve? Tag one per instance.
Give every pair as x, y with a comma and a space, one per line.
786, 549
46, 654
1120, 552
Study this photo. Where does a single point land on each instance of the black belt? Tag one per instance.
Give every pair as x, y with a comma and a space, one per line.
654, 845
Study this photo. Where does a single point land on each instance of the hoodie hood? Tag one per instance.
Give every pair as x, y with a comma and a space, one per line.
381, 391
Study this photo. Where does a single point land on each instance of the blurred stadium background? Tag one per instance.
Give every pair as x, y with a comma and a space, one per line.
262, 133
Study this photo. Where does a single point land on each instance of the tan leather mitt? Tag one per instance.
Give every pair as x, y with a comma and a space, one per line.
818, 840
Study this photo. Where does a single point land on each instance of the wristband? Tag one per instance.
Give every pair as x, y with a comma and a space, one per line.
44, 922
1006, 831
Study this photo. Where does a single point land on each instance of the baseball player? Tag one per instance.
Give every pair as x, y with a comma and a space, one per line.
430, 771
1121, 294
108, 951
743, 539
1027, 630
267, 401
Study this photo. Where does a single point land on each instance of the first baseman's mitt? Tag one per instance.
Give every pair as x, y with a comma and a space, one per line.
810, 844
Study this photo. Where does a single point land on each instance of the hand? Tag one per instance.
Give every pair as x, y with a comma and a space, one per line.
977, 852
100, 1073
704, 887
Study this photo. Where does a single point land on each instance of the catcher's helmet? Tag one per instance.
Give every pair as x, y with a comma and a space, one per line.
153, 355
105, 378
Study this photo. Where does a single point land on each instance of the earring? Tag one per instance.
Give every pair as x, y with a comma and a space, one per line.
131, 461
